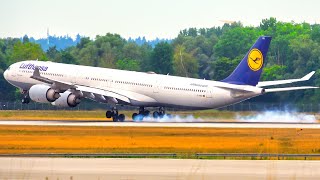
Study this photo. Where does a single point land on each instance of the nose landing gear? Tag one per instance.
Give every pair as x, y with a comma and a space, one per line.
25, 99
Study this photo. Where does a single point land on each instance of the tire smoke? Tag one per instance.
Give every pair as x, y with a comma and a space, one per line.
278, 116
173, 118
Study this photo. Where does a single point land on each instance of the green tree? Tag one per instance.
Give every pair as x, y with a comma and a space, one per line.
236, 41
67, 58
223, 67
274, 72
268, 24
53, 54
184, 63
27, 51
25, 39
128, 64
162, 58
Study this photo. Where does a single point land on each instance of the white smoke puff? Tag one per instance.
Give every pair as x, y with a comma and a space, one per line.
279, 116
172, 118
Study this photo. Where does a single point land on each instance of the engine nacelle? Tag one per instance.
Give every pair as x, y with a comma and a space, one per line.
43, 93
67, 99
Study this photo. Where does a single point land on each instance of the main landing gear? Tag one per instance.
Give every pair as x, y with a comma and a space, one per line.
25, 99
114, 114
159, 114
143, 113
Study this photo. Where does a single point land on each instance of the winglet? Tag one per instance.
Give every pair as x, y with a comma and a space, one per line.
308, 76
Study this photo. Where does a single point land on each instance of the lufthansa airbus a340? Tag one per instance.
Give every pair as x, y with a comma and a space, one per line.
65, 85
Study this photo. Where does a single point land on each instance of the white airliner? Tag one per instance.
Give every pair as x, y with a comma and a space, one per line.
65, 84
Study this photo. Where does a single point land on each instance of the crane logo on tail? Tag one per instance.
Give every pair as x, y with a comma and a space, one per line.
255, 60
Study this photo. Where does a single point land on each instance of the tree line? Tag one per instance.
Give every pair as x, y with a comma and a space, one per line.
206, 53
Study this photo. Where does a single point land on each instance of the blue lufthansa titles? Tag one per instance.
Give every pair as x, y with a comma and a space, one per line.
32, 66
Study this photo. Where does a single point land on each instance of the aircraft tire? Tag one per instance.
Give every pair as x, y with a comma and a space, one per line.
109, 114
121, 117
25, 101
156, 114
115, 118
161, 115
134, 116
146, 113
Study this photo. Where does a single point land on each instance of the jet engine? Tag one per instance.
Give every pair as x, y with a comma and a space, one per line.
43, 93
67, 99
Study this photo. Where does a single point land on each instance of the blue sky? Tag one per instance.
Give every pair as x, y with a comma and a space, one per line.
150, 18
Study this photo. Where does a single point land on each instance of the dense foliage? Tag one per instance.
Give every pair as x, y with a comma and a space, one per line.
209, 53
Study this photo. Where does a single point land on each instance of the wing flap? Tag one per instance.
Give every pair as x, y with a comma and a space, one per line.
94, 93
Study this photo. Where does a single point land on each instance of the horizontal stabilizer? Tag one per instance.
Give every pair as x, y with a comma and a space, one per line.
288, 81
289, 89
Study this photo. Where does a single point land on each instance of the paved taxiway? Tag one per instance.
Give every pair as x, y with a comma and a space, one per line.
74, 168
164, 124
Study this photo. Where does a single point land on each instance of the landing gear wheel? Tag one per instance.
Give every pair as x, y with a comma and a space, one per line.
156, 114
159, 114
109, 114
134, 116
115, 118
121, 117
146, 113
114, 114
25, 101
142, 114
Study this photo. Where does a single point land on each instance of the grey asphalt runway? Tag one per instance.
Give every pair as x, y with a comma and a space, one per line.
78, 169
164, 124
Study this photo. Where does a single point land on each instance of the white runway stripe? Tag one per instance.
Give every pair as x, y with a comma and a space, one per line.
164, 124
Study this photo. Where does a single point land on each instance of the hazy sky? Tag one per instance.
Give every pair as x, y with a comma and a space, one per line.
150, 18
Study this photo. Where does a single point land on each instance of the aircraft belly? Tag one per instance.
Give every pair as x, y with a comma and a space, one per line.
175, 99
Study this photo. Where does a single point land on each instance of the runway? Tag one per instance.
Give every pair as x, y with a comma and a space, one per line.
75, 168
163, 124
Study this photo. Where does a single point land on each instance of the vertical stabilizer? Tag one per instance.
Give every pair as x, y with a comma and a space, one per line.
249, 70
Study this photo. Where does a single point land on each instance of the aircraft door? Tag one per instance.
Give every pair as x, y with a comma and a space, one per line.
156, 87
209, 92
106, 83
73, 75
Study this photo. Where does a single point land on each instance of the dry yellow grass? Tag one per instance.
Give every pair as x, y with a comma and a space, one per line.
36, 139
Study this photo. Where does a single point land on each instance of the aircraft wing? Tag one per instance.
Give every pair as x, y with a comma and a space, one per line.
101, 95
288, 81
62, 86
